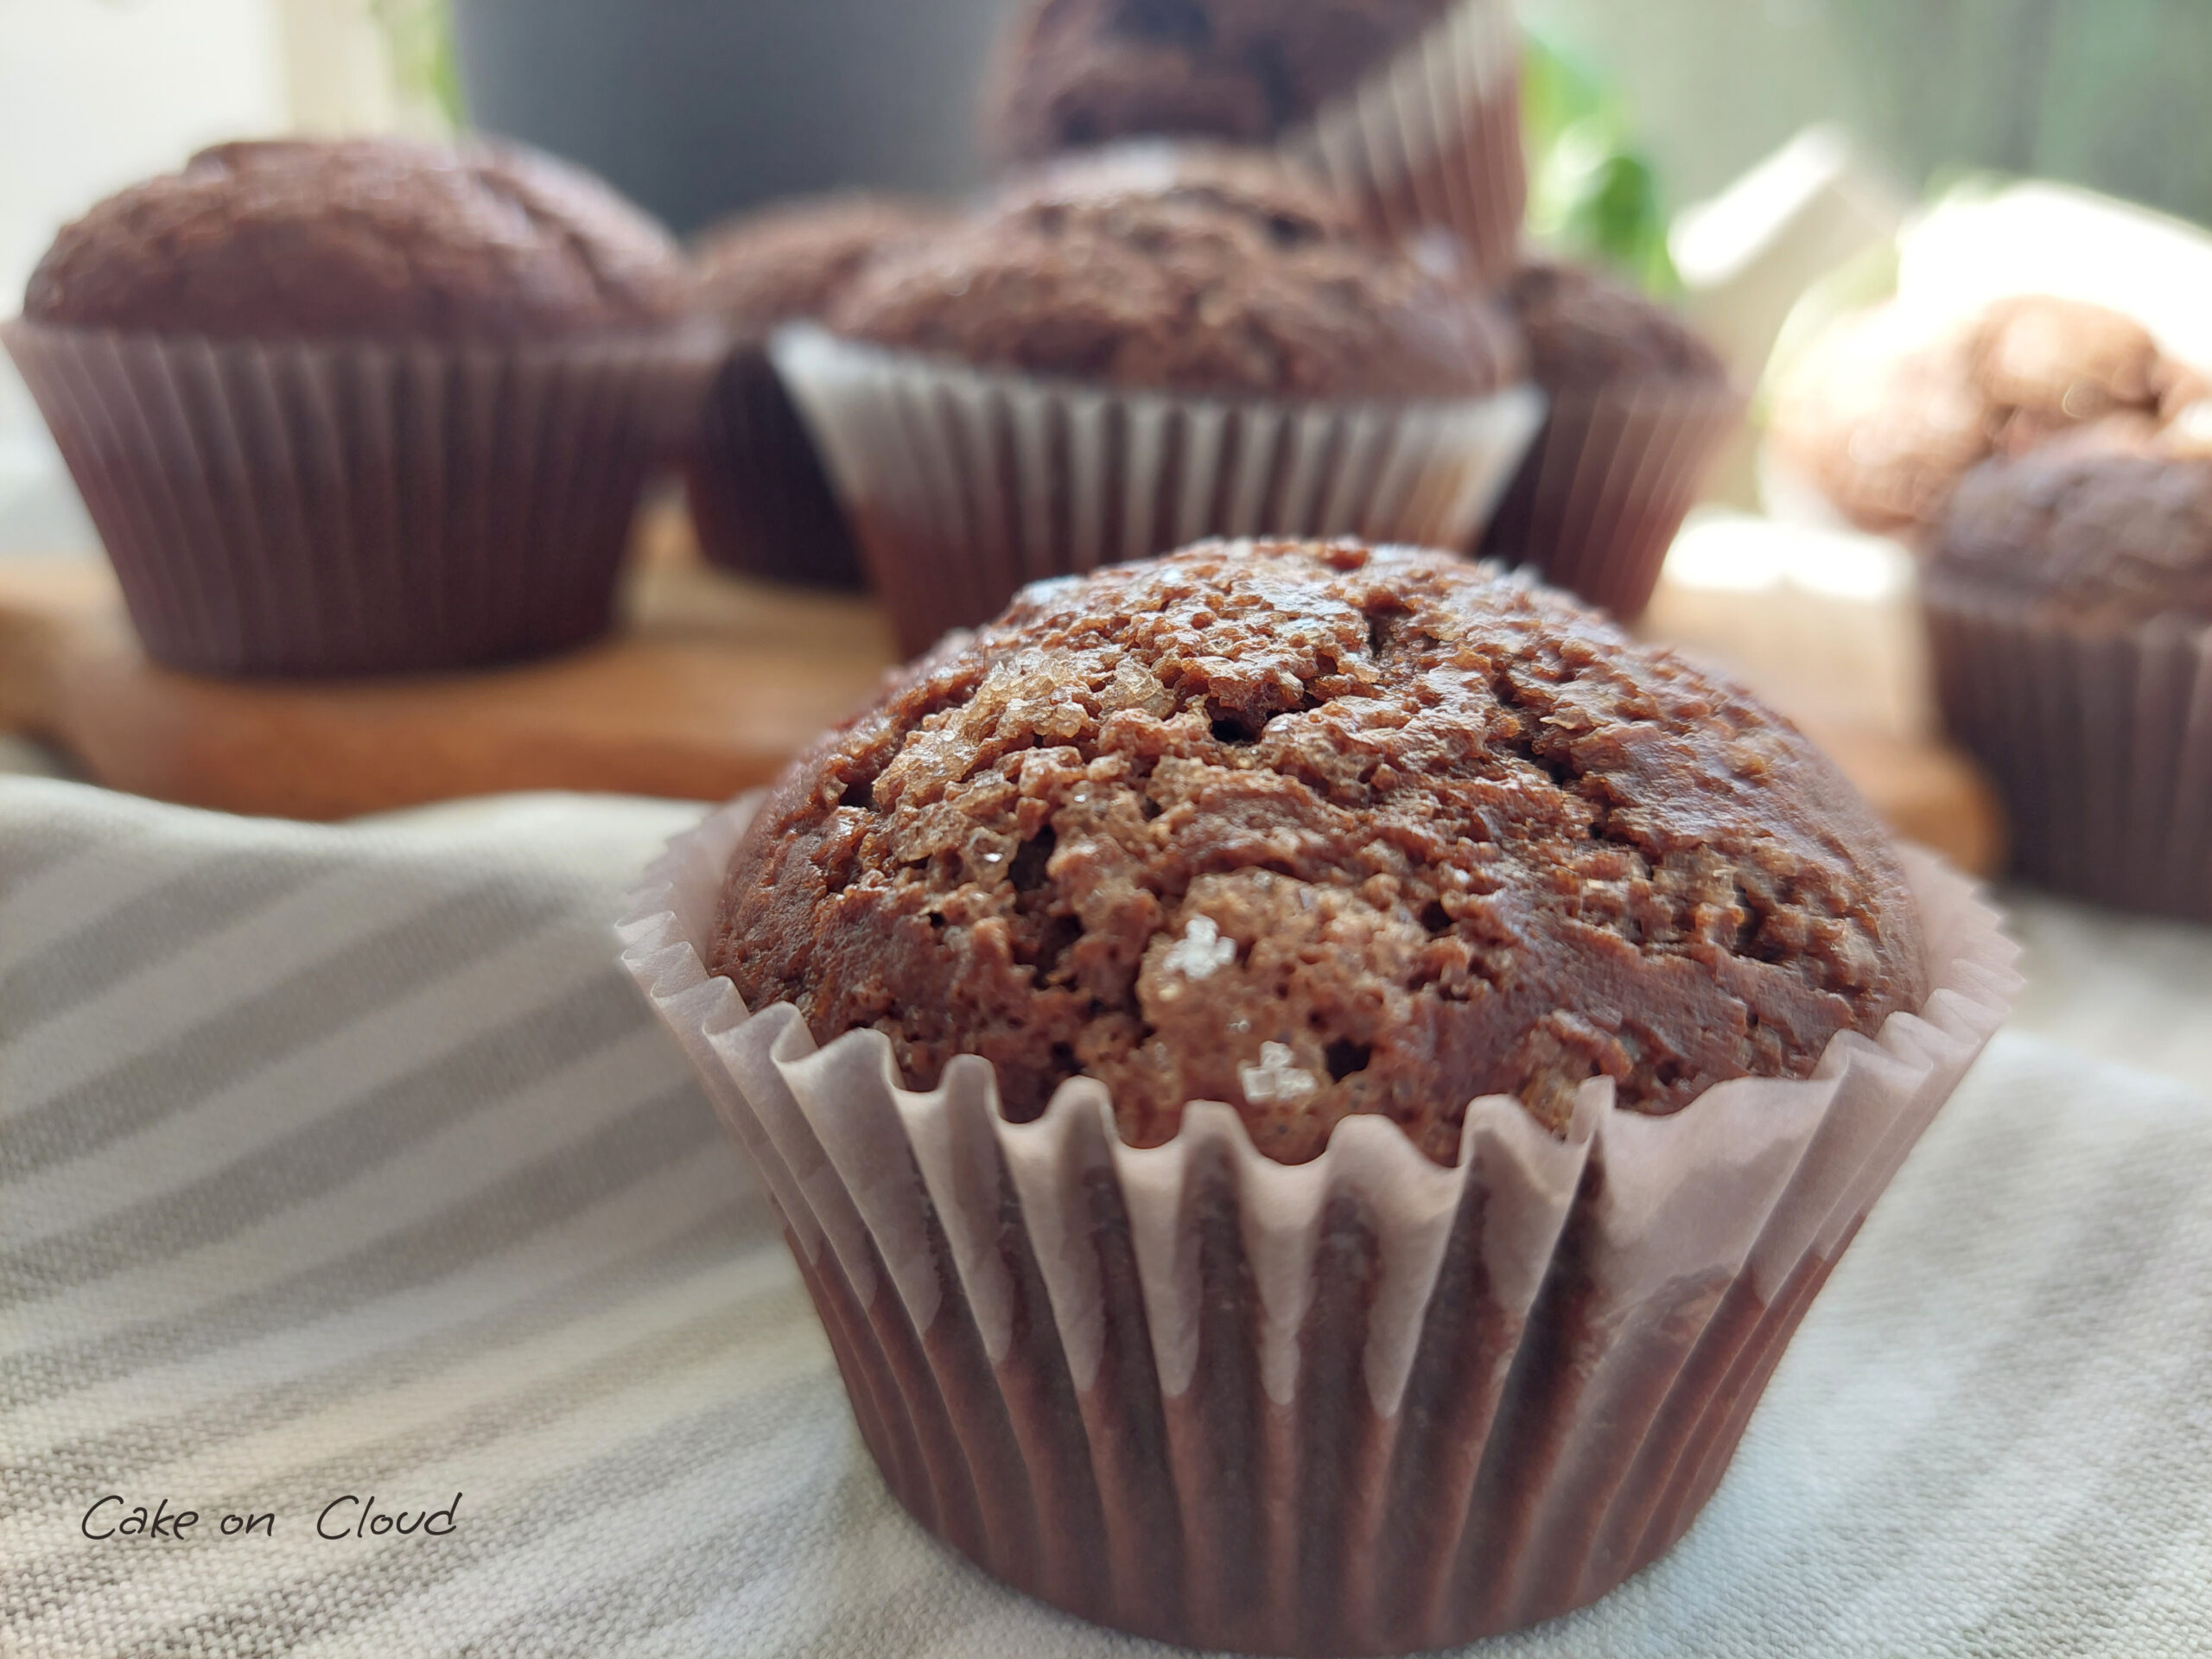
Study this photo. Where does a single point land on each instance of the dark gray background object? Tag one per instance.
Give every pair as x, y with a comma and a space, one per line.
698, 107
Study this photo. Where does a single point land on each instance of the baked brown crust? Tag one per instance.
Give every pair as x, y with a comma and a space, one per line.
1072, 74
374, 238
786, 260
1317, 829
2096, 538
1584, 331
1887, 417
1183, 270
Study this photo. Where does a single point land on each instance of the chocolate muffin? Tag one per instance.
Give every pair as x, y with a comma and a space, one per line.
2068, 595
1123, 353
788, 260
1183, 270
1638, 405
358, 238
362, 405
1411, 107
1586, 331
2099, 540
1321, 829
1072, 74
759, 499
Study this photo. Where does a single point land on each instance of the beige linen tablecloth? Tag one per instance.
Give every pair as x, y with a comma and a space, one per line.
341, 1164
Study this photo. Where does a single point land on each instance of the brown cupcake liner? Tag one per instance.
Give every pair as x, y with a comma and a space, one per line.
2099, 739
1433, 137
1362, 1405
1605, 486
310, 508
761, 501
964, 485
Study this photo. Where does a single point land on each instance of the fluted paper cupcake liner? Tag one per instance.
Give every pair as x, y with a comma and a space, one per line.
2098, 738
964, 485
1433, 136
1606, 485
1366, 1404
276, 507
761, 501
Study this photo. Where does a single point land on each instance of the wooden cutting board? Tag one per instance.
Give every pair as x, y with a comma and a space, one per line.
711, 685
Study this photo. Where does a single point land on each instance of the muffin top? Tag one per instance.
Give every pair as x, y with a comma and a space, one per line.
1071, 73
1888, 412
1317, 829
374, 238
1585, 331
786, 260
2102, 538
1183, 270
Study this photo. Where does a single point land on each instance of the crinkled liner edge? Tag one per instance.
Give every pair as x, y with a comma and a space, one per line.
1449, 461
1746, 1142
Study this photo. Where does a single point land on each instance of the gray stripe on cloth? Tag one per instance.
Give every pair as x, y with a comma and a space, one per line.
2105, 1566
118, 1453
284, 1615
145, 931
360, 975
335, 1148
670, 1125
25, 859
749, 1565
484, 1420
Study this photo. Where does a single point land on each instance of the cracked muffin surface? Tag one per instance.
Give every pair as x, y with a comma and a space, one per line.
363, 237
1318, 829
1184, 269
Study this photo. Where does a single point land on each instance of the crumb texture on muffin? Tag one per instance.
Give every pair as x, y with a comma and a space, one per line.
1072, 74
1318, 829
788, 260
1186, 272
373, 237
2097, 537
1584, 330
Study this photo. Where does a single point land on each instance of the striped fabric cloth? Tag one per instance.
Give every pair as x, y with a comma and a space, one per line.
342, 1164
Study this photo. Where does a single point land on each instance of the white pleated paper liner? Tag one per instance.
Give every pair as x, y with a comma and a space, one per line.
2099, 739
322, 508
965, 484
1433, 136
761, 501
1362, 1405
1605, 487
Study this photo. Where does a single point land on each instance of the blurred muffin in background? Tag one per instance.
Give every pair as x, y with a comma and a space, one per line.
1119, 353
2068, 595
361, 405
760, 500
1888, 410
1638, 406
381, 238
1073, 74
1411, 107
